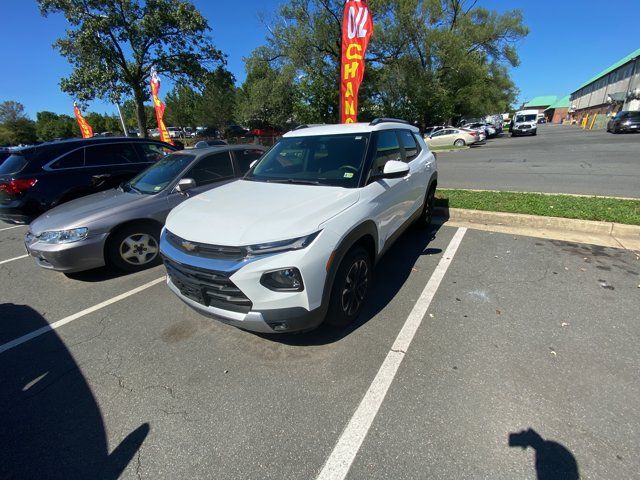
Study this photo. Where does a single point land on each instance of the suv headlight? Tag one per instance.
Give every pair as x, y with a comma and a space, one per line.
282, 245
63, 236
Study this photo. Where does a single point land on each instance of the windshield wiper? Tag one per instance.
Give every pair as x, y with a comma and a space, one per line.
298, 181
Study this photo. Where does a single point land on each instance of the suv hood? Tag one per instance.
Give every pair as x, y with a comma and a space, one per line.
248, 213
81, 211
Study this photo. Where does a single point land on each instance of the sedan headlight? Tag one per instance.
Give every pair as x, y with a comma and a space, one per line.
63, 236
282, 245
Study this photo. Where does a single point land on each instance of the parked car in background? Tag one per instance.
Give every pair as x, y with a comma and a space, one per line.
295, 241
35, 179
487, 129
624, 121
154, 133
524, 123
210, 143
236, 131
121, 227
429, 130
175, 132
452, 137
188, 132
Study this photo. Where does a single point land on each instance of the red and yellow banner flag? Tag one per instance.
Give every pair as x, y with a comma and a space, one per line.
159, 107
85, 128
357, 27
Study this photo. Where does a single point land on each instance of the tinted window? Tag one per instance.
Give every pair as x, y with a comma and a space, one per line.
211, 169
13, 164
152, 152
73, 159
440, 132
245, 158
160, 174
110, 154
387, 149
634, 116
409, 144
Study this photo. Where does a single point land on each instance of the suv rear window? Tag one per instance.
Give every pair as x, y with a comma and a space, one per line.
110, 154
13, 164
409, 144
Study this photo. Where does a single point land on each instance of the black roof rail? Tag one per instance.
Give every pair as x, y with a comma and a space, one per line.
377, 121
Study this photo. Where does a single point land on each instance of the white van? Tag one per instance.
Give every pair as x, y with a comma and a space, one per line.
525, 122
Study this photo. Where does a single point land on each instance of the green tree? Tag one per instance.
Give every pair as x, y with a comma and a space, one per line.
182, 102
10, 111
216, 106
18, 132
428, 60
50, 125
113, 44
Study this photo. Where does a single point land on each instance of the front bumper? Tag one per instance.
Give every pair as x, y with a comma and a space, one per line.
292, 319
68, 257
201, 282
524, 131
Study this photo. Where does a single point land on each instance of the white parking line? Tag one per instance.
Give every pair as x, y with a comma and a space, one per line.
12, 259
339, 462
9, 228
75, 316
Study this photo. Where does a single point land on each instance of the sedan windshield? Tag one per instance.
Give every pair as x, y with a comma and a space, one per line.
159, 175
319, 160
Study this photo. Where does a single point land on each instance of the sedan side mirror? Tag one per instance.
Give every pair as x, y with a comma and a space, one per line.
185, 184
395, 169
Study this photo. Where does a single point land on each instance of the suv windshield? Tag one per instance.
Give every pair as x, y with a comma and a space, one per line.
320, 160
526, 118
159, 175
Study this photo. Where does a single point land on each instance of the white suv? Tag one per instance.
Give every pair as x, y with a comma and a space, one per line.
295, 241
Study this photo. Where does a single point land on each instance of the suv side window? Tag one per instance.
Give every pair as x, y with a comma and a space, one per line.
110, 154
387, 148
152, 152
411, 148
212, 168
74, 159
244, 158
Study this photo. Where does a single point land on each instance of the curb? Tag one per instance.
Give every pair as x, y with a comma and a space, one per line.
607, 234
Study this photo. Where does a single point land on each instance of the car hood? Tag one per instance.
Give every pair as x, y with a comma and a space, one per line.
82, 211
248, 213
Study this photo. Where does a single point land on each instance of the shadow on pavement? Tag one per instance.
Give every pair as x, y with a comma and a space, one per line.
50, 424
553, 460
389, 276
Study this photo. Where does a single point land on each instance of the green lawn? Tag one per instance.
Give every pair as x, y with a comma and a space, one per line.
567, 206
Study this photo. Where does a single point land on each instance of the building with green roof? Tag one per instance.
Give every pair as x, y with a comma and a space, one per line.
540, 103
558, 111
615, 88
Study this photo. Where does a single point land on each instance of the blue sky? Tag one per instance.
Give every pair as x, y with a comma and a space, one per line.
570, 41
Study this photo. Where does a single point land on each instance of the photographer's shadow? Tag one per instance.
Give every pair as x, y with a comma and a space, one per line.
50, 423
553, 460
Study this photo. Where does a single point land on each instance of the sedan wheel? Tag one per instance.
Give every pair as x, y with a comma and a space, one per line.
139, 249
459, 143
133, 248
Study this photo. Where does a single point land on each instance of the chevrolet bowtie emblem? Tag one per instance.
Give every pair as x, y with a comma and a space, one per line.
188, 246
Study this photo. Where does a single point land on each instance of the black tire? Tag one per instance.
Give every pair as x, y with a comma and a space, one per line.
350, 288
426, 216
459, 143
130, 248
535, 133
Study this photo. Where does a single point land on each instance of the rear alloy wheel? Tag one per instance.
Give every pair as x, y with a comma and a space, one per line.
134, 248
459, 143
350, 288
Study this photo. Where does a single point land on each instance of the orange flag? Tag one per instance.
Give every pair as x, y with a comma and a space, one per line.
357, 27
85, 128
159, 107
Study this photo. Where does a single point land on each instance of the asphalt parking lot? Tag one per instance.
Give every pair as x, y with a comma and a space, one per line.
507, 334
560, 159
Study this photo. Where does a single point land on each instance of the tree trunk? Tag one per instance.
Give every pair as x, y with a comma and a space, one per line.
141, 114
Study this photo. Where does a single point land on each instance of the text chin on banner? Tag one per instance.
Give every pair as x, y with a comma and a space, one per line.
357, 27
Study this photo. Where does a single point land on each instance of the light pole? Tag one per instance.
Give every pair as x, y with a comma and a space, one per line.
115, 100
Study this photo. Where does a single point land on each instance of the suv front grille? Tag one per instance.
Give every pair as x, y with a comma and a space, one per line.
205, 250
207, 287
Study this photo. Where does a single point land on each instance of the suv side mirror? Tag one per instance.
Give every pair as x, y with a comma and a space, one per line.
185, 184
395, 169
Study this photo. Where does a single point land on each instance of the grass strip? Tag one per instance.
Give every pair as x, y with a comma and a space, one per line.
566, 206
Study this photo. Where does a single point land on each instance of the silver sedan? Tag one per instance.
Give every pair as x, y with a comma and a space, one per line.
121, 227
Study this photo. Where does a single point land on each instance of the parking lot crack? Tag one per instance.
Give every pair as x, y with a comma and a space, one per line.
121, 383
139, 464
399, 350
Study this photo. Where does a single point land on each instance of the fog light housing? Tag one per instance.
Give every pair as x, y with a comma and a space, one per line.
283, 280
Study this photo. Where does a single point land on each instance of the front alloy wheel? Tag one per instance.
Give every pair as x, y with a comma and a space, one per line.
350, 288
139, 249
